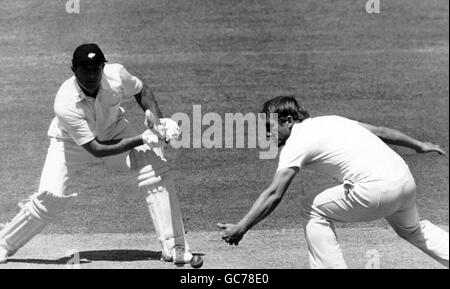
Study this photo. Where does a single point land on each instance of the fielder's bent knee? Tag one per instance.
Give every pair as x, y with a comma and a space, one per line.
412, 233
407, 233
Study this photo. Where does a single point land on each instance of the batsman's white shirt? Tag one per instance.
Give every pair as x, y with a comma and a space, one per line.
82, 118
79, 119
342, 149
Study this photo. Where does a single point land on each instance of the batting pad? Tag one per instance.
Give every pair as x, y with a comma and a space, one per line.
36, 213
154, 179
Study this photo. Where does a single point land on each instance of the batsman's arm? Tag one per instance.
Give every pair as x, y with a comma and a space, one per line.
147, 100
396, 137
269, 199
112, 147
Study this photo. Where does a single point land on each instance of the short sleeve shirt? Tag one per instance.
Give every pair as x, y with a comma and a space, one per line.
82, 118
340, 148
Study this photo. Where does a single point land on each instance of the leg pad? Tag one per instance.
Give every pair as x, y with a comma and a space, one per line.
35, 213
154, 178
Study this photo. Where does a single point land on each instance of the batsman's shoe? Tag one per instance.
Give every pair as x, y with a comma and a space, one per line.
179, 256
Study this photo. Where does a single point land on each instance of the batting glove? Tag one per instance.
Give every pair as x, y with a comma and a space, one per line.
150, 139
165, 128
170, 128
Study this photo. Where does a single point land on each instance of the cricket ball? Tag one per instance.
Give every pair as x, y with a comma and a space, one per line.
196, 261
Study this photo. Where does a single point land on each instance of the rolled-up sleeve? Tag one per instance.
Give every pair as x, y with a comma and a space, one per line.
294, 154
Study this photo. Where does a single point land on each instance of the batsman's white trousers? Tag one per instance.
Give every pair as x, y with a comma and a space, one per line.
394, 200
65, 159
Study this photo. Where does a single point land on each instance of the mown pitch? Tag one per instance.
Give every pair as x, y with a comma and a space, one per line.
261, 249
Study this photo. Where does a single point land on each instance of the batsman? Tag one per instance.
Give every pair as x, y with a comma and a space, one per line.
90, 126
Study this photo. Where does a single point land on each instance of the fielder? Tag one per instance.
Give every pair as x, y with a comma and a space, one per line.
375, 182
90, 124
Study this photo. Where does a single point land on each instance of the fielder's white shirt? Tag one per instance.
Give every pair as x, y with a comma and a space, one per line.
342, 149
83, 118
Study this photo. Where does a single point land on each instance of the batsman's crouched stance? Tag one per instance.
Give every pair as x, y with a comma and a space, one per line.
90, 125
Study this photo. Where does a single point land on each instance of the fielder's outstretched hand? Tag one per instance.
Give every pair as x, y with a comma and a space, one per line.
428, 147
231, 233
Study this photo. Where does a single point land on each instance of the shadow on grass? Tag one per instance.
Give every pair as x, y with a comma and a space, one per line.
103, 255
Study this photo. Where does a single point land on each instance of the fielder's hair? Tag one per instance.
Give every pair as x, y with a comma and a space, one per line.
284, 106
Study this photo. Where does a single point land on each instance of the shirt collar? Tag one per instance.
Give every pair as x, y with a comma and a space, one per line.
79, 94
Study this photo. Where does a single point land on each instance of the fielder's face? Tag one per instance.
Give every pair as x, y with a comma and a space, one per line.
279, 130
89, 76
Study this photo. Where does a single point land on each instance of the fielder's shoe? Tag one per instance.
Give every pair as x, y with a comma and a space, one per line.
179, 256
3, 255
3, 251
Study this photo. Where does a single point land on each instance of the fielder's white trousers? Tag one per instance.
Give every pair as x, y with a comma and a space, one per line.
394, 200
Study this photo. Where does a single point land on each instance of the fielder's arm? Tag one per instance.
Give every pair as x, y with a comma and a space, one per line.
147, 100
263, 206
396, 137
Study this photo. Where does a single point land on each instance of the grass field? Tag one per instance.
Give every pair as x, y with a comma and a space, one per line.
387, 69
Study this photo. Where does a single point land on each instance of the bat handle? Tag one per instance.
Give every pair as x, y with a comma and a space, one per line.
151, 119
